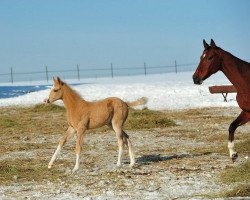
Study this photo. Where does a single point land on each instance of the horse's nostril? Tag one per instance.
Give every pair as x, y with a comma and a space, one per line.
196, 80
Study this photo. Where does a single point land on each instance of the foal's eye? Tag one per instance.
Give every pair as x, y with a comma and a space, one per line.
55, 90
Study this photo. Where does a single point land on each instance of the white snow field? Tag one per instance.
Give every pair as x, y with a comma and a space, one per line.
164, 91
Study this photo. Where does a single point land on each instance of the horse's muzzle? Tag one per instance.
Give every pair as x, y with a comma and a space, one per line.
196, 80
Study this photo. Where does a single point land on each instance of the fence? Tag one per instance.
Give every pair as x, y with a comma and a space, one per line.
81, 73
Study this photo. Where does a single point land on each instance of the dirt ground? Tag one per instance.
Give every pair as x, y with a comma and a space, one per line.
177, 162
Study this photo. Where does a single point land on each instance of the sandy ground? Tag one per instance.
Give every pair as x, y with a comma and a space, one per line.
180, 162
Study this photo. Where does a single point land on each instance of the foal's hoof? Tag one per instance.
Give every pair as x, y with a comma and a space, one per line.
234, 157
131, 165
74, 170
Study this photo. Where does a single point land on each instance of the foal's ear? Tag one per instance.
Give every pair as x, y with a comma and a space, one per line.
54, 79
206, 46
58, 81
212, 43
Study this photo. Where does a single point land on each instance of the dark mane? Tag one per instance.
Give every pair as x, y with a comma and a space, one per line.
236, 58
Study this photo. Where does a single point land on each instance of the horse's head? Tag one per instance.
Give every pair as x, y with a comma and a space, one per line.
56, 92
210, 62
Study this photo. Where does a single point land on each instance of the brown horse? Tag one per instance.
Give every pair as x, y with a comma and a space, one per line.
237, 71
83, 115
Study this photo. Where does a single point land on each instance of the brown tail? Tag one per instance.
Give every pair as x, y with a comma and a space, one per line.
138, 102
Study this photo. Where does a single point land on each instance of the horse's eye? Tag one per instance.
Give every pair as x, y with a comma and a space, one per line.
210, 58
55, 90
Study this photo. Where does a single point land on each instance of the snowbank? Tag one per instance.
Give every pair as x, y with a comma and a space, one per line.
164, 91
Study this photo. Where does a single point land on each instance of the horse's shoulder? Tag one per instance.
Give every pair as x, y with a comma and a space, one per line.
243, 99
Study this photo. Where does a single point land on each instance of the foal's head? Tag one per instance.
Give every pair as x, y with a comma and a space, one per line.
210, 62
57, 90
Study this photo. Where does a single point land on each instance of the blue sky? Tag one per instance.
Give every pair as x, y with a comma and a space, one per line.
94, 33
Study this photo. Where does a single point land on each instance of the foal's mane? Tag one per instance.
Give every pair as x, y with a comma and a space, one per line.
70, 91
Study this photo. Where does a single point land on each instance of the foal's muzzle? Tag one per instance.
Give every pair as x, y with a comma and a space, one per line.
46, 100
196, 80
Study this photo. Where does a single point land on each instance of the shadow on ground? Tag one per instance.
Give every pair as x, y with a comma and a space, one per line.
147, 159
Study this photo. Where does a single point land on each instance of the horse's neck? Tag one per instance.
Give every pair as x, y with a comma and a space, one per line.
237, 71
70, 98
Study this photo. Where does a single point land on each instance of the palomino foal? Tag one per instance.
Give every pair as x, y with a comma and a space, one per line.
83, 115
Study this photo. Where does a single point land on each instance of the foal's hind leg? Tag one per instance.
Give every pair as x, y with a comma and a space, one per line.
129, 144
243, 118
119, 135
123, 138
70, 131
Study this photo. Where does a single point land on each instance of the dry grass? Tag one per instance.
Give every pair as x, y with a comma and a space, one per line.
7, 123
21, 125
22, 170
16, 120
239, 191
244, 146
205, 129
239, 173
40, 117
147, 119
41, 108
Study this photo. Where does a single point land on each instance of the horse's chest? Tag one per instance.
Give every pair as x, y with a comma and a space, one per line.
73, 119
243, 100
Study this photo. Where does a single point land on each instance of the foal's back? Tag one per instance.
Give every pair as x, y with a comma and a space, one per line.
102, 112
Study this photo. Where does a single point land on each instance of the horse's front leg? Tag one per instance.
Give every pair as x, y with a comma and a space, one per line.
79, 142
243, 118
70, 131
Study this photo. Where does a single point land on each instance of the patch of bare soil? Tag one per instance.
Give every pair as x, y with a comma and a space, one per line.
184, 161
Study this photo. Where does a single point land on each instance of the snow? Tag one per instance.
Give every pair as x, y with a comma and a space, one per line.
164, 91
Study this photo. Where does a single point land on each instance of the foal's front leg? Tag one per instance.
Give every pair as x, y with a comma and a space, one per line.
70, 131
79, 141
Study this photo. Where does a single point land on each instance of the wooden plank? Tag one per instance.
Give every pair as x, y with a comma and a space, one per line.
222, 89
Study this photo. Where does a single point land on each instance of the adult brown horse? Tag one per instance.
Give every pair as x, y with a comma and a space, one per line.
215, 59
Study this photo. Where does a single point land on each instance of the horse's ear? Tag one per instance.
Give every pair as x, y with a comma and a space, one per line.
206, 46
212, 44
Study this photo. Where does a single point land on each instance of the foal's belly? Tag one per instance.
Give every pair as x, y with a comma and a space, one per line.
99, 118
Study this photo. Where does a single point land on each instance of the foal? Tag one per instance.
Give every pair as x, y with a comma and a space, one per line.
83, 115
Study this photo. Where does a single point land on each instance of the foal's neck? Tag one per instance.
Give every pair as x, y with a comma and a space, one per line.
70, 98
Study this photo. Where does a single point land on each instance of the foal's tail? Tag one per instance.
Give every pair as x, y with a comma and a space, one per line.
141, 101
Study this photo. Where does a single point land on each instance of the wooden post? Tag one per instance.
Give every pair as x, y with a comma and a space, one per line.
11, 75
78, 72
47, 74
112, 71
145, 69
175, 65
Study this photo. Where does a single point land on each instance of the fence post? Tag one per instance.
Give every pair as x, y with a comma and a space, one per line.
47, 74
78, 72
112, 72
175, 65
145, 69
11, 75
